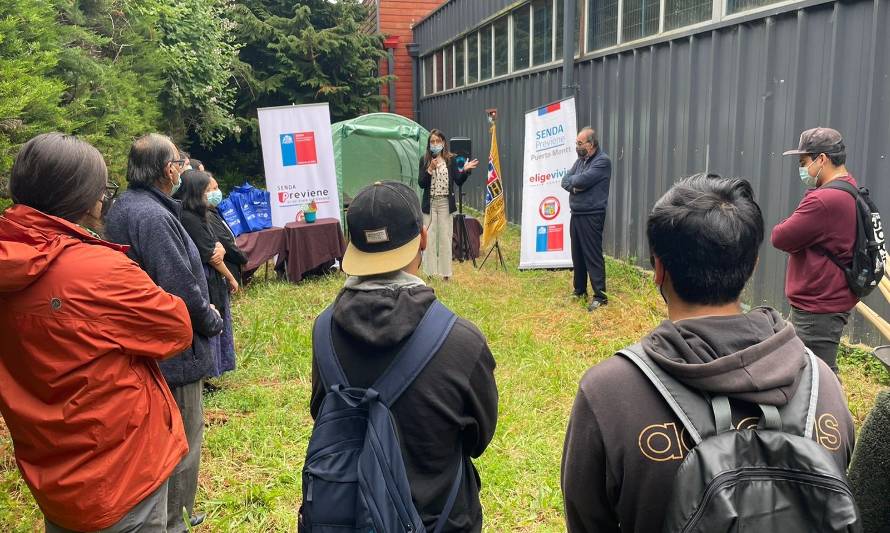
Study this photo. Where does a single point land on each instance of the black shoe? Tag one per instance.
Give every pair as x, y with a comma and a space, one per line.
596, 304
210, 388
579, 295
197, 519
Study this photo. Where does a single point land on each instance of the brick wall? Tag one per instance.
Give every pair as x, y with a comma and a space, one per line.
396, 19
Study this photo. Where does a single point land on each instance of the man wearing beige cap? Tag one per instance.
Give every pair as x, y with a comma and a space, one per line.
821, 228
448, 414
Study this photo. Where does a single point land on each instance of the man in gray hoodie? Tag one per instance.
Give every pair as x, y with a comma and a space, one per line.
624, 444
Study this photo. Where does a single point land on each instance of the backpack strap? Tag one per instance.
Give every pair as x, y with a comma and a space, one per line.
703, 417
810, 422
326, 361
843, 186
847, 187
695, 412
452, 495
420, 348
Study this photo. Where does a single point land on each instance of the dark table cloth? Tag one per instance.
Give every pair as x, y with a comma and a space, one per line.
310, 247
474, 232
260, 246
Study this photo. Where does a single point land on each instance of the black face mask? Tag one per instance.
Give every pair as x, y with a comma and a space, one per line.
582, 152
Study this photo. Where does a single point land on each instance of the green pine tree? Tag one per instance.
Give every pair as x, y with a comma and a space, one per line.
297, 52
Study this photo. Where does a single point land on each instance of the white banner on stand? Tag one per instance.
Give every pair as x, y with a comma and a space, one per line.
298, 156
550, 133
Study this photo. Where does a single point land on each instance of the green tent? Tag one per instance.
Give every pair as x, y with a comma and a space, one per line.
374, 147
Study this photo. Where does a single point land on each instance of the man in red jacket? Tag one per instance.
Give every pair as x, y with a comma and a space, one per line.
824, 222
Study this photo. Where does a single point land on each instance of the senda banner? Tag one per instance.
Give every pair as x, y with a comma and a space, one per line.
298, 156
550, 133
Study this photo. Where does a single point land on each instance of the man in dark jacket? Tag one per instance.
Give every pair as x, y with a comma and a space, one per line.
452, 405
823, 223
146, 219
624, 444
588, 186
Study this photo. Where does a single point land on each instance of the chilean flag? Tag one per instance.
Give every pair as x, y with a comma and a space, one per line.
298, 149
548, 109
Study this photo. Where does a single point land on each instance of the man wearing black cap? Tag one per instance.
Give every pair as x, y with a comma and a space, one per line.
452, 404
824, 223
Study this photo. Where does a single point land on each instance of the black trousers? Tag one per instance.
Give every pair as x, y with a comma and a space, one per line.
587, 253
820, 332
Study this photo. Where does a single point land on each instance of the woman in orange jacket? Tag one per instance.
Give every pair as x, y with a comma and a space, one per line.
95, 429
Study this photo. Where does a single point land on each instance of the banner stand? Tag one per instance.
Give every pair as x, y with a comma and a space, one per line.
298, 159
549, 153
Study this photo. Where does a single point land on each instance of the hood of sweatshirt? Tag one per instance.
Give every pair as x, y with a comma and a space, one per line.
755, 357
382, 314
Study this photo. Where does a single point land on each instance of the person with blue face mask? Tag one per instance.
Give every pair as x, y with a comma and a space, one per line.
824, 223
234, 258
438, 174
199, 195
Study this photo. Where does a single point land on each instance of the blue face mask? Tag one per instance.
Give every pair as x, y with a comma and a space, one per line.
809, 181
176, 186
214, 197
436, 149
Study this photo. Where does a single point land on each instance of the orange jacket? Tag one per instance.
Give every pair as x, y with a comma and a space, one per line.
93, 423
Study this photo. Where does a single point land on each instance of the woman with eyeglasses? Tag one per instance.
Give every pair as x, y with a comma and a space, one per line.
438, 175
198, 194
95, 429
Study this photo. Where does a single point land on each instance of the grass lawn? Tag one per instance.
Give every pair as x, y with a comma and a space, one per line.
258, 424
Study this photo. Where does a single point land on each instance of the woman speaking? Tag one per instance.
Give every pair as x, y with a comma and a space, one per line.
439, 173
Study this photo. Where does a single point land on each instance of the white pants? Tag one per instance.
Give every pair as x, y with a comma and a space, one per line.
440, 231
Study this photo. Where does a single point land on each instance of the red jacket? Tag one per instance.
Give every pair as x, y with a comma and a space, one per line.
93, 423
825, 219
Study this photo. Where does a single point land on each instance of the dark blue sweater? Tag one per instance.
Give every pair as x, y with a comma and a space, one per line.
147, 220
588, 184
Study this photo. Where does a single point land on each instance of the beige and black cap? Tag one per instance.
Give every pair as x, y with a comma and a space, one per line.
819, 141
385, 222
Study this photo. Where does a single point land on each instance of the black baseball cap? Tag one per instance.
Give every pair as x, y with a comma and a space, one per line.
817, 141
384, 221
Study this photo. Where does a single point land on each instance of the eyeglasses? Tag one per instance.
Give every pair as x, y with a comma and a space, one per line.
581, 143
179, 162
110, 192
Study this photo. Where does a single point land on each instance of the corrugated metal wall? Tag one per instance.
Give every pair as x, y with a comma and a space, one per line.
452, 18
728, 99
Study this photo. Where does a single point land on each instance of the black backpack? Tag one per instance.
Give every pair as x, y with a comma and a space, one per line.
770, 479
354, 478
869, 254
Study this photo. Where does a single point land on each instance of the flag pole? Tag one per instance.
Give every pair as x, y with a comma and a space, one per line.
495, 208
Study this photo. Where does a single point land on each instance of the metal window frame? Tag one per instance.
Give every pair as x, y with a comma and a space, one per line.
494, 74
555, 16
531, 33
719, 15
435, 71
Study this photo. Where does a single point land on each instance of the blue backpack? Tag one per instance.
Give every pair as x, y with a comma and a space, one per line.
354, 477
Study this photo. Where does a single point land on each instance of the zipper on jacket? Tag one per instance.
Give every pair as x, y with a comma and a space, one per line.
734, 476
309, 488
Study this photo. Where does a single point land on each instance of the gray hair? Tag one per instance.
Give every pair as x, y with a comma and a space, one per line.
591, 136
149, 156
